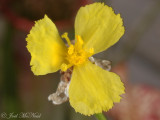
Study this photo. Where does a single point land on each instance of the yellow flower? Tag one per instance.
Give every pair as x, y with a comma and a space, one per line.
92, 89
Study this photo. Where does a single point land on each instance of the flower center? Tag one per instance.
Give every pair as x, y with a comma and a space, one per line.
76, 54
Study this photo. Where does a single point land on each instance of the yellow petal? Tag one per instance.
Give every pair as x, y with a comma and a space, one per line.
93, 90
98, 26
46, 47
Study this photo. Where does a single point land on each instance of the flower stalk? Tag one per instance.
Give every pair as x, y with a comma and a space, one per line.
100, 116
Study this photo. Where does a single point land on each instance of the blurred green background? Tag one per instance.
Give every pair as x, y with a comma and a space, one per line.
135, 57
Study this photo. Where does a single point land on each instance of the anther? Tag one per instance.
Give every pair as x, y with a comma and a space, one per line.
64, 67
65, 36
79, 39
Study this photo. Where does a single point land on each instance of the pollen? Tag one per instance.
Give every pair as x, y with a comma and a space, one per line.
76, 54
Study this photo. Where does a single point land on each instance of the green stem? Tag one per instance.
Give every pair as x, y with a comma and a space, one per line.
10, 97
100, 116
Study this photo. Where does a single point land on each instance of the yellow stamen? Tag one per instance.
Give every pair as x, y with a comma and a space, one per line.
76, 54
64, 66
79, 42
65, 36
71, 49
79, 39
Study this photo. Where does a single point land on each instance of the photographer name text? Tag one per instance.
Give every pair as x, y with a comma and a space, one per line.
20, 115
